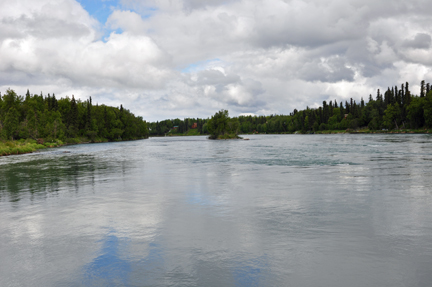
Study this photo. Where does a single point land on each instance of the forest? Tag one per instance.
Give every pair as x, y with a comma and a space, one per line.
395, 110
44, 118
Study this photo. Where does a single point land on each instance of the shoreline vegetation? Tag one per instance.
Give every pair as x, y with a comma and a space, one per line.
32, 122
221, 127
26, 146
395, 111
325, 132
22, 146
16, 147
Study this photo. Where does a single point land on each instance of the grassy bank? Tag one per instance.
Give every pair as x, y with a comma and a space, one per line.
29, 145
21, 147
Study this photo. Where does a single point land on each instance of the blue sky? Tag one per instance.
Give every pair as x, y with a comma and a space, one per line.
198, 66
99, 10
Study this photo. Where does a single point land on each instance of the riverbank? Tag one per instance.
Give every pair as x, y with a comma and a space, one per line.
325, 132
24, 146
383, 131
352, 131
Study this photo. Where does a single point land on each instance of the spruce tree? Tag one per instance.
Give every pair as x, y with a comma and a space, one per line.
54, 103
11, 123
89, 117
422, 89
73, 118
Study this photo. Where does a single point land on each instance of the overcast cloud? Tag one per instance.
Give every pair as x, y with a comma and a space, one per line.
167, 59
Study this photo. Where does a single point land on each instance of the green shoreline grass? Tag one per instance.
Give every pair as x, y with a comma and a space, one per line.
22, 146
30, 145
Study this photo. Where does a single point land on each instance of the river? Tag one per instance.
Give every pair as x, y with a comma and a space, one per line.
277, 210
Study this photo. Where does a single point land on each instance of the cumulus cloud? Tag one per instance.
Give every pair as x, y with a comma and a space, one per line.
198, 4
50, 45
420, 41
190, 58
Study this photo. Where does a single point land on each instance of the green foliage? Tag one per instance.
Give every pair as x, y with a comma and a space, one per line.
18, 147
49, 118
416, 112
192, 132
11, 123
392, 116
427, 110
73, 121
221, 126
187, 126
395, 109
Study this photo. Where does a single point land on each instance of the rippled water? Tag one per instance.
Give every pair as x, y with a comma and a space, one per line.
292, 210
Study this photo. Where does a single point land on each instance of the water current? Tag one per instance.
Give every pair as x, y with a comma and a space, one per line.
277, 210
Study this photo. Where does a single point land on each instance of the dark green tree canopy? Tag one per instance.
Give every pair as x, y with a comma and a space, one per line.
36, 116
221, 126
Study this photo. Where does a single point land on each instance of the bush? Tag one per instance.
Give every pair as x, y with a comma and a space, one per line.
73, 140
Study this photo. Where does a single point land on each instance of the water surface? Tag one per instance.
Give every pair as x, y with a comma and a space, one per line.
277, 210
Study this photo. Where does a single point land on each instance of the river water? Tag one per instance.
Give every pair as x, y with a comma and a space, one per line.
277, 210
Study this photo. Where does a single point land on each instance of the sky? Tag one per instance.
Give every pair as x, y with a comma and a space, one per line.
166, 59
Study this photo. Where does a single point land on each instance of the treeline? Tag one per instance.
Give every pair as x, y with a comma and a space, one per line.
178, 127
46, 117
397, 108
198, 126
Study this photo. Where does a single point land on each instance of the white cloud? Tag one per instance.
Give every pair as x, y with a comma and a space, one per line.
167, 59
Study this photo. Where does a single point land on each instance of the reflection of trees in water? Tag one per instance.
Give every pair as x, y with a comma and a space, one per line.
49, 175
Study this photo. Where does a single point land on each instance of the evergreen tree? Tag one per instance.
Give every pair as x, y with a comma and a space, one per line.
342, 112
326, 114
89, 116
422, 89
11, 123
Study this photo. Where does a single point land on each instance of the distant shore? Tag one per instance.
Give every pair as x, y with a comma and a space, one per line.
348, 131
22, 146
